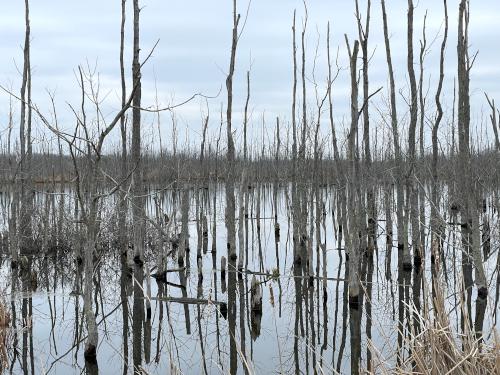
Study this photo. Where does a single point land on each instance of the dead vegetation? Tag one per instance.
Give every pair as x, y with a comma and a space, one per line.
4, 335
440, 348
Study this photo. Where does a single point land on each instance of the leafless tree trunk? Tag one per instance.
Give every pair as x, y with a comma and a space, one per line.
13, 206
137, 200
243, 210
230, 200
436, 224
302, 193
363, 33
123, 130
411, 190
342, 200
336, 154
494, 123
25, 235
471, 238
354, 212
295, 198
137, 207
402, 242
245, 119
206, 175
353, 244
241, 223
420, 185
184, 237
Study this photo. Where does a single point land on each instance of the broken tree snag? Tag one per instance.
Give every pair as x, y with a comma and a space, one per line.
230, 177
255, 295
353, 201
494, 122
136, 160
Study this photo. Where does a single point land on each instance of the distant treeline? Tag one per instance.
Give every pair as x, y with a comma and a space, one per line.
187, 167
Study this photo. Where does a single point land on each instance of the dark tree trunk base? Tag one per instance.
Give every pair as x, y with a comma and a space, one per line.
354, 302
223, 310
407, 266
417, 263
90, 354
482, 293
138, 261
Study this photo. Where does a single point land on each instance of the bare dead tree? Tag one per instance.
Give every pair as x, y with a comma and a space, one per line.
402, 239
353, 205
436, 236
230, 199
123, 132
363, 34
184, 237
471, 239
295, 198
331, 79
245, 119
14, 202
230, 208
302, 195
494, 122
87, 191
353, 238
136, 145
243, 209
302, 149
25, 209
421, 176
411, 190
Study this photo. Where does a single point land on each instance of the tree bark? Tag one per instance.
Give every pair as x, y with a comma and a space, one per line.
402, 241
353, 202
123, 131
137, 207
411, 176
471, 239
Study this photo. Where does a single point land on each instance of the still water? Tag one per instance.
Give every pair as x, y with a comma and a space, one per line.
200, 322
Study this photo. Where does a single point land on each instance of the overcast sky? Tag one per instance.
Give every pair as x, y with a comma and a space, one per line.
193, 56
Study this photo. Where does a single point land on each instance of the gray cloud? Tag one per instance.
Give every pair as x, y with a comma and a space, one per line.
193, 53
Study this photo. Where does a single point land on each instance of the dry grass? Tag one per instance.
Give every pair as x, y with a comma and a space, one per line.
440, 349
4, 334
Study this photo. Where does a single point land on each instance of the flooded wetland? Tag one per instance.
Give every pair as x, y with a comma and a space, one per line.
273, 315
329, 205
